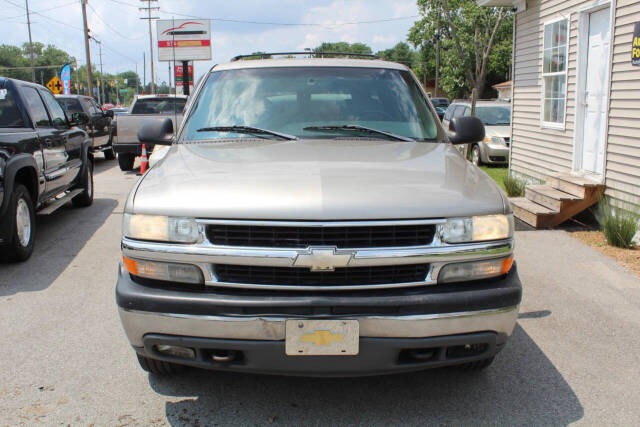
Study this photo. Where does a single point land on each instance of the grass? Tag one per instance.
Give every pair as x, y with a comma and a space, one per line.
617, 224
514, 186
498, 174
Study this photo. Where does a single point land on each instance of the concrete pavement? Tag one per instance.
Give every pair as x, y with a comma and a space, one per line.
64, 358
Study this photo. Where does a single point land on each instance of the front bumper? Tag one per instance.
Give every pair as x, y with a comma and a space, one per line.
495, 153
253, 324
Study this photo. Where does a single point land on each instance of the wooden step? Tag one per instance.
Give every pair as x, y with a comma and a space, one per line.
575, 185
549, 197
532, 213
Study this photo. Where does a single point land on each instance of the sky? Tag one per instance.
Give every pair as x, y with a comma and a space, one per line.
125, 37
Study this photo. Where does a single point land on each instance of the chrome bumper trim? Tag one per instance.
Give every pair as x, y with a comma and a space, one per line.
207, 253
139, 323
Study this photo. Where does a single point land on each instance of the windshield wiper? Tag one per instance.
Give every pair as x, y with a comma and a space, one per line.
361, 129
248, 130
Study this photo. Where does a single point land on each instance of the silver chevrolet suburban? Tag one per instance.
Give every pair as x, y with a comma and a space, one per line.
312, 217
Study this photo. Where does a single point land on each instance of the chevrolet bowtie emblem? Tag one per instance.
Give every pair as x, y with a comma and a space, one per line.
322, 337
322, 259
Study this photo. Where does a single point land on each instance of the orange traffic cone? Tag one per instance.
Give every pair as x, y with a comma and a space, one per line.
145, 162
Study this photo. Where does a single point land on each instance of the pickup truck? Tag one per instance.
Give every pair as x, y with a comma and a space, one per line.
312, 217
45, 162
124, 135
95, 122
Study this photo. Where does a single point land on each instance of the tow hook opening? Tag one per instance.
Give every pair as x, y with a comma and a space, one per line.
225, 356
466, 350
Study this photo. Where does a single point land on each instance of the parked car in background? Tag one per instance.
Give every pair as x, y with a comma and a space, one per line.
118, 111
93, 120
312, 217
45, 161
440, 111
125, 133
440, 102
496, 117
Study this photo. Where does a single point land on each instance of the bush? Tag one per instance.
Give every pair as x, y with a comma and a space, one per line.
618, 225
514, 186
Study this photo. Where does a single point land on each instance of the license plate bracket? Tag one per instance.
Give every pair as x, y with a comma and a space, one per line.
321, 337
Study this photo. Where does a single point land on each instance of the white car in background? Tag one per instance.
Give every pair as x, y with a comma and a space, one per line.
496, 117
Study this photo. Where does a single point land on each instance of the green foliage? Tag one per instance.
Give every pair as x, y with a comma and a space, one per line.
513, 186
472, 27
343, 47
619, 225
14, 56
401, 53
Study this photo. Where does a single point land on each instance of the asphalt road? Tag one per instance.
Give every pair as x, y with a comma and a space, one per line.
64, 359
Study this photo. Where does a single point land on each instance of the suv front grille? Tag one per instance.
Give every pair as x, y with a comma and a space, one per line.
348, 276
303, 237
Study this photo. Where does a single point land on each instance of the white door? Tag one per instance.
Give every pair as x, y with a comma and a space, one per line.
595, 108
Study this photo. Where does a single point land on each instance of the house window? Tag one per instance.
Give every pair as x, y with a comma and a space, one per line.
554, 72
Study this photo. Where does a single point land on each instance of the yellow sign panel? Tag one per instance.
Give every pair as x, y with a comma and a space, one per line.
55, 85
322, 337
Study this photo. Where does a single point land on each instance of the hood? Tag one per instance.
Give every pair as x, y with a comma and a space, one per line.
346, 179
503, 131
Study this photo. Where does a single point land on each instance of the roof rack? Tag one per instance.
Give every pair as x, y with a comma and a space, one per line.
266, 55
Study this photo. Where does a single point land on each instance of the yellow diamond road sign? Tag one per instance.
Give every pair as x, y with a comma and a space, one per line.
55, 85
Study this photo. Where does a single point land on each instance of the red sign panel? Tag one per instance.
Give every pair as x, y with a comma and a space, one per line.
179, 74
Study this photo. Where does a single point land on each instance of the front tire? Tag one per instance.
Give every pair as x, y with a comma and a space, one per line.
22, 225
109, 154
126, 161
85, 198
475, 156
159, 367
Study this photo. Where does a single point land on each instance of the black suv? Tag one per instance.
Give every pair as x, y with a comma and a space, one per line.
45, 161
93, 120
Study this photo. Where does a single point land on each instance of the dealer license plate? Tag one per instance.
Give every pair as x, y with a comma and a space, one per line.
322, 337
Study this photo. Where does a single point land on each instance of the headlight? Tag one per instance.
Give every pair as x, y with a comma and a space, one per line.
477, 228
160, 228
165, 271
497, 140
475, 270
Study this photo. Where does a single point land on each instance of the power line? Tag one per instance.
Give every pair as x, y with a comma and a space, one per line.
291, 24
6, 18
95, 12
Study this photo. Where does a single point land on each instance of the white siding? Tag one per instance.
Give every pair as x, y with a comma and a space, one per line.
536, 150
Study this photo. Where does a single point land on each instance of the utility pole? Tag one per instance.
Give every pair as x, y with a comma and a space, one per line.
148, 9
101, 93
33, 70
87, 48
137, 81
169, 65
437, 90
144, 72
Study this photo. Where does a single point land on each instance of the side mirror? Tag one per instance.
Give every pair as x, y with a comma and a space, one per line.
156, 131
78, 118
108, 113
465, 130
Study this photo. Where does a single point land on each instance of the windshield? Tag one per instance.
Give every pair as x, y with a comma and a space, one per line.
494, 114
158, 105
289, 99
71, 105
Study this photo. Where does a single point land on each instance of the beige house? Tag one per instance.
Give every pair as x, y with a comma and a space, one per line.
576, 94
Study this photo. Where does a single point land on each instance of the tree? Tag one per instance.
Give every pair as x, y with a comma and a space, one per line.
343, 47
475, 42
401, 53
